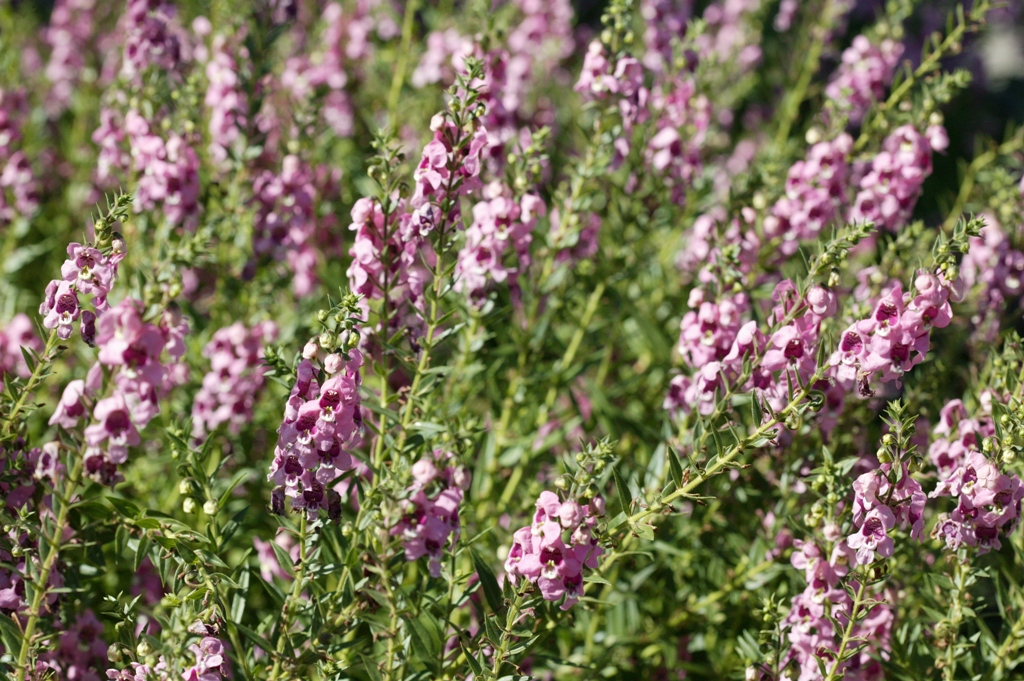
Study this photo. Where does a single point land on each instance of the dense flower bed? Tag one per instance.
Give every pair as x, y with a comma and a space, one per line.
354, 339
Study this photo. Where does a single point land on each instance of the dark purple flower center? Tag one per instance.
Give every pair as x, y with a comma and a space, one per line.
900, 352
852, 343
306, 421
118, 422
986, 533
550, 555
873, 528
794, 349
292, 466
314, 495
886, 313
330, 398
67, 302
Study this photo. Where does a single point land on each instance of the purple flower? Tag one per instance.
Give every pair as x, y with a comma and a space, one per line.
113, 426
554, 550
60, 309
71, 407
872, 535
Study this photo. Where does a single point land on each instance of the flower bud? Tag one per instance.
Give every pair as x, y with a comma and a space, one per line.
310, 351
333, 363
210, 507
189, 505
143, 649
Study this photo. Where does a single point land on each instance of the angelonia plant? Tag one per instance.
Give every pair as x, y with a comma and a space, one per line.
629, 339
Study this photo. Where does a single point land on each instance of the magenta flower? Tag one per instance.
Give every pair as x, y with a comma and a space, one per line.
554, 550
113, 426
71, 407
60, 309
872, 536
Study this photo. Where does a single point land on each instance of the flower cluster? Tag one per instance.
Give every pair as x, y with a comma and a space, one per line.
69, 33
675, 149
87, 271
988, 504
224, 98
345, 41
889, 189
443, 49
895, 337
996, 267
499, 221
884, 498
80, 651
235, 378
211, 661
286, 220
552, 552
19, 188
430, 518
822, 611
815, 195
390, 248
152, 38
321, 421
665, 22
132, 348
168, 170
16, 335
22, 468
863, 76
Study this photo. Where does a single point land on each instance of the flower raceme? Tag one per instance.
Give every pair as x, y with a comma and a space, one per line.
552, 552
321, 421
431, 512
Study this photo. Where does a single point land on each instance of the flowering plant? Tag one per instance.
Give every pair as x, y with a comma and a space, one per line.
657, 339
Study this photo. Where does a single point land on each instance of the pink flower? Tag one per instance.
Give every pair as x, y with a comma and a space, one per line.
70, 408
541, 555
114, 427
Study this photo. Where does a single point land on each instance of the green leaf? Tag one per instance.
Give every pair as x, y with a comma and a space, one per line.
120, 540
254, 637
675, 467
625, 498
10, 634
283, 558
371, 669
426, 647
126, 508
235, 482
478, 671
492, 592
141, 551
646, 532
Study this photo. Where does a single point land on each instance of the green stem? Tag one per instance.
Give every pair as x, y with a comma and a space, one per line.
971, 175
291, 602
1010, 643
955, 618
42, 586
928, 64
791, 108
858, 601
503, 646
574, 344
33, 382
403, 60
